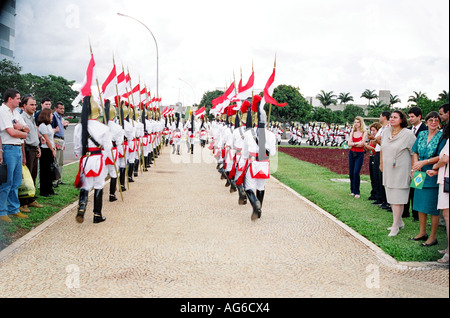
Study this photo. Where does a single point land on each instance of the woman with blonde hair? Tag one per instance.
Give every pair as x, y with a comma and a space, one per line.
357, 142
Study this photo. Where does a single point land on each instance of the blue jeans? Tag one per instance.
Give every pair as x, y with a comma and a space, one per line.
355, 162
9, 198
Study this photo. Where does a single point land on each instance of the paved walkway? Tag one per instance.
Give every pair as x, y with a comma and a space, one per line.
180, 233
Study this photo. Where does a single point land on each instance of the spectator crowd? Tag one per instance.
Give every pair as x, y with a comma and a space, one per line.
32, 141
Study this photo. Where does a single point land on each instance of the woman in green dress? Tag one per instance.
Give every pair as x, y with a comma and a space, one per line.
426, 151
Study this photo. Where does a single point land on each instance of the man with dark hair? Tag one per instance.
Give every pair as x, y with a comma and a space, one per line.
381, 200
45, 103
59, 122
31, 149
13, 131
415, 118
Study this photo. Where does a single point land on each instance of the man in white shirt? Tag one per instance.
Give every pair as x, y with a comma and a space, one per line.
13, 131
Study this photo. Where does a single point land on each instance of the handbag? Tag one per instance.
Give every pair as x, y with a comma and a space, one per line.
27, 188
3, 173
54, 171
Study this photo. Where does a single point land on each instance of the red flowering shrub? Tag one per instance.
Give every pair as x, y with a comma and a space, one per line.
335, 159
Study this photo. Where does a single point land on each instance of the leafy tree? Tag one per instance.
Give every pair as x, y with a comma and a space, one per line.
443, 97
351, 111
345, 98
369, 95
10, 76
297, 108
416, 97
207, 98
427, 105
325, 115
57, 88
394, 100
327, 98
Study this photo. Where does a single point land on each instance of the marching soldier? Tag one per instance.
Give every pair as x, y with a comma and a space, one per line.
259, 143
176, 137
117, 137
132, 154
203, 132
91, 137
191, 132
123, 148
238, 144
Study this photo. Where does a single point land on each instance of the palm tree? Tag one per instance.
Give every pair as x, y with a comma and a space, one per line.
369, 95
326, 99
416, 97
443, 97
345, 98
394, 100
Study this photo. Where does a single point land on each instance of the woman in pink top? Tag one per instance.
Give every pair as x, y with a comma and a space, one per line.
356, 141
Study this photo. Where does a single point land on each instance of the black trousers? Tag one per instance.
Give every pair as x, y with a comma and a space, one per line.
378, 187
45, 180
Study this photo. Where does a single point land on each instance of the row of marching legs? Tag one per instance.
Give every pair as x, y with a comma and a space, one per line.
129, 172
256, 199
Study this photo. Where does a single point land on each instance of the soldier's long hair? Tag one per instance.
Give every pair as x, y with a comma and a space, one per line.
121, 114
107, 106
85, 112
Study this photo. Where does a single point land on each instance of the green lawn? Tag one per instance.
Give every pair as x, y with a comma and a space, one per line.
314, 183
67, 194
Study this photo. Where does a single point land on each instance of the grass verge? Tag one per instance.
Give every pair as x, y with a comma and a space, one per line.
314, 183
66, 195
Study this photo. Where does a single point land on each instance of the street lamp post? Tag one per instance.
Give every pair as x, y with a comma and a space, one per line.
190, 87
157, 51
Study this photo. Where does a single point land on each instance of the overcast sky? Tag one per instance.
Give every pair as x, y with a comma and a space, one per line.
331, 45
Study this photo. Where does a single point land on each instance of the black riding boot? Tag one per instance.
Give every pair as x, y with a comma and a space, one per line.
136, 167
192, 149
122, 179
233, 186
82, 203
242, 196
260, 196
112, 190
228, 179
130, 172
255, 204
98, 203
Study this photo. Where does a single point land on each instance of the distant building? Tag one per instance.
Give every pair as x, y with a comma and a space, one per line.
7, 29
385, 97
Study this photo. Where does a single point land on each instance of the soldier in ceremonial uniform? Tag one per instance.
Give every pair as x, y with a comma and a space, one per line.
123, 148
238, 144
91, 138
191, 132
111, 158
203, 132
176, 137
132, 154
259, 144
